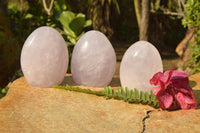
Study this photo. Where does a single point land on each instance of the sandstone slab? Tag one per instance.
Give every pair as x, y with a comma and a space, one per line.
181, 121
48, 110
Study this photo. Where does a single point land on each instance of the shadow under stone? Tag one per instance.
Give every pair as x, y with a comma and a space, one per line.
192, 83
197, 97
69, 80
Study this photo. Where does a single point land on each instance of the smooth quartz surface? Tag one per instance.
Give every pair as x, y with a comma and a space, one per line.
44, 57
93, 60
139, 63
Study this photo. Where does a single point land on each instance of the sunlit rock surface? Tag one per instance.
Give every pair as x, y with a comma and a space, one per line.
37, 110
139, 63
44, 57
33, 109
93, 60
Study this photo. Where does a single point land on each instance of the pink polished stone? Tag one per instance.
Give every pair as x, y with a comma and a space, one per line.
139, 63
44, 57
93, 60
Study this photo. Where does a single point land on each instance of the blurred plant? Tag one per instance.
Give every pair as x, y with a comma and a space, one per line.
23, 22
9, 51
192, 21
99, 12
143, 8
9, 57
3, 91
73, 25
165, 16
49, 13
172, 8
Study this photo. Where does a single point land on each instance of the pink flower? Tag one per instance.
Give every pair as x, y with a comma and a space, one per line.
173, 91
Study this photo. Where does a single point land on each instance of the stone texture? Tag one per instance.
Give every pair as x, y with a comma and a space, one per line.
93, 60
48, 110
180, 121
139, 63
44, 57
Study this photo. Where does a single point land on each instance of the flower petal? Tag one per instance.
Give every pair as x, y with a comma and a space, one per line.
186, 102
156, 78
165, 99
180, 80
185, 90
167, 77
178, 74
156, 90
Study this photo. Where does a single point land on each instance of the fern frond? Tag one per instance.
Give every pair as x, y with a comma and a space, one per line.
134, 96
78, 89
130, 96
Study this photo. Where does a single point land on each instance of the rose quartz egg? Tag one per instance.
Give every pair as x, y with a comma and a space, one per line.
93, 60
44, 57
139, 63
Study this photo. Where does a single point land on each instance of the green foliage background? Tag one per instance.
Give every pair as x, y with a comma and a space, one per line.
165, 30
22, 20
9, 56
192, 21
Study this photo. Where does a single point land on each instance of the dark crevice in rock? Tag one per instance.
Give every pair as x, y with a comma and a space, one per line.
144, 120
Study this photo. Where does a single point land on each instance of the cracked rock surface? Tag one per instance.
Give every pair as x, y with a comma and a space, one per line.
179, 121
48, 110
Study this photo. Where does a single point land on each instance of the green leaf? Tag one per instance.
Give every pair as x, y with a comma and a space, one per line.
65, 18
137, 94
106, 90
147, 97
132, 94
77, 24
127, 92
142, 96
3, 91
123, 92
87, 23
72, 39
109, 91
69, 44
119, 92
114, 93
153, 97
28, 16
